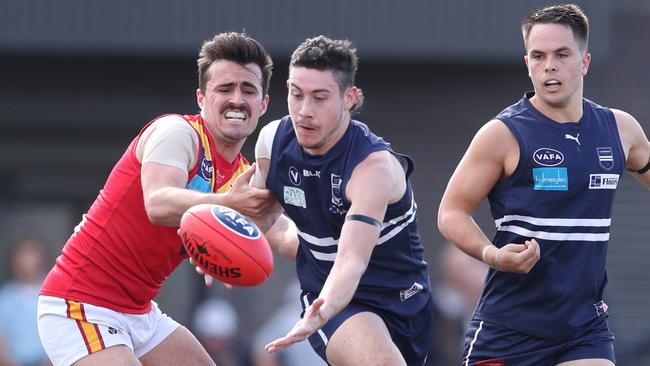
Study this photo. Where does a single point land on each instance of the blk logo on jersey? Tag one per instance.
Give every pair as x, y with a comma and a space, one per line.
603, 181
550, 179
548, 157
294, 176
605, 157
311, 173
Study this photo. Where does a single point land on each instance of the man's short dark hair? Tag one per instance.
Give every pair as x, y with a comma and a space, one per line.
567, 14
235, 47
339, 56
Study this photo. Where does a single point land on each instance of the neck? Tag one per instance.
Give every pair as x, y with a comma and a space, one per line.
228, 150
561, 113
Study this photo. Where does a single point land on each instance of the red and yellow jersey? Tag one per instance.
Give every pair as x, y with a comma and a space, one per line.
116, 258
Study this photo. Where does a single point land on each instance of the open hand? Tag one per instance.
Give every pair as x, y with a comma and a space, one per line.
312, 321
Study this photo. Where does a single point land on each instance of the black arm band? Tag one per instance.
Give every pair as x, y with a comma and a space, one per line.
642, 170
366, 219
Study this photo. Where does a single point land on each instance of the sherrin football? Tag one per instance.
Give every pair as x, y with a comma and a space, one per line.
226, 245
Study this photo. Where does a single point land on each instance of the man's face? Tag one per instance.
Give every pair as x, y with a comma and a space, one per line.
233, 100
319, 111
556, 64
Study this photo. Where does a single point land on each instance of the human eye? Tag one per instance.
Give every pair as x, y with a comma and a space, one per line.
320, 97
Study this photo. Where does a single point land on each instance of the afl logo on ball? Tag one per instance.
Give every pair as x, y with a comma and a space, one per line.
236, 222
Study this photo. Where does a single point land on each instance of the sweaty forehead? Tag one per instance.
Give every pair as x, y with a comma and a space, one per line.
227, 72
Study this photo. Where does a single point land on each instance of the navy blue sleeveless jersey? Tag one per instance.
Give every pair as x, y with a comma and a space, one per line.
312, 191
561, 194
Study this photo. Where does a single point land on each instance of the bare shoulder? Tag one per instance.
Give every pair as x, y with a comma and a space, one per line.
629, 129
496, 134
380, 163
625, 122
379, 173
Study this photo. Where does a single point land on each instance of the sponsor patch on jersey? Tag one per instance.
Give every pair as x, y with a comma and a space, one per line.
548, 157
550, 179
603, 181
294, 196
294, 176
414, 289
605, 157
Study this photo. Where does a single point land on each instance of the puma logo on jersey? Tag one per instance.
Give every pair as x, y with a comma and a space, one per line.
574, 138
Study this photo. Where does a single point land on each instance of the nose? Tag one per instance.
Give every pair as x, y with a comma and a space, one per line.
237, 97
306, 108
550, 64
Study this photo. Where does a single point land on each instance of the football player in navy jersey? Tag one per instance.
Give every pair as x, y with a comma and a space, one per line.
353, 227
549, 166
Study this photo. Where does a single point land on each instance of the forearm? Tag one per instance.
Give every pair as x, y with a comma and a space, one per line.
166, 205
341, 284
460, 228
283, 237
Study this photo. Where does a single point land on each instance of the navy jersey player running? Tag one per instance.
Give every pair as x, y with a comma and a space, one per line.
359, 259
549, 166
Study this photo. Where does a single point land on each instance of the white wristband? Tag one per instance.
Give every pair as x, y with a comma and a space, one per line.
484, 253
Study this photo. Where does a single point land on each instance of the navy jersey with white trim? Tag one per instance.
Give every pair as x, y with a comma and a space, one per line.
312, 191
561, 194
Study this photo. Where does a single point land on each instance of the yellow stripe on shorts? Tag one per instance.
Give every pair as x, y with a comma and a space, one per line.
90, 332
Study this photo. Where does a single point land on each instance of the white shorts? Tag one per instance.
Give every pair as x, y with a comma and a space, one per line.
70, 330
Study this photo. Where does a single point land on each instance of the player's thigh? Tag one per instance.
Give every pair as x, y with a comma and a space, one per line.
363, 339
111, 356
179, 348
588, 362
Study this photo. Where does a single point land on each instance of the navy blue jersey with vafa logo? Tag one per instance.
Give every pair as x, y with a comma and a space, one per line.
312, 191
561, 194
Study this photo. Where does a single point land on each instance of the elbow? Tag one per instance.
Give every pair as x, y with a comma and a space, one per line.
157, 213
446, 222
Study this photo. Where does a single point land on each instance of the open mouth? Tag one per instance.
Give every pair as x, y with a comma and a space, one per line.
552, 83
235, 116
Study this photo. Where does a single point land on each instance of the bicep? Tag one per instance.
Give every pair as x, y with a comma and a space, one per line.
373, 185
492, 153
155, 176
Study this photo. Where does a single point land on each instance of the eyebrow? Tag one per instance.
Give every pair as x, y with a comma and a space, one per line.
232, 83
561, 49
313, 91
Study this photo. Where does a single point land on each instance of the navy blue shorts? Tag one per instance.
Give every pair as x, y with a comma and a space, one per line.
488, 344
412, 336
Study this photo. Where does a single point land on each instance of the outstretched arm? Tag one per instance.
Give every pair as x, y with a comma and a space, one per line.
376, 182
492, 155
